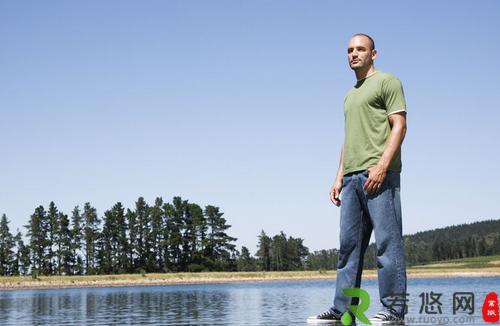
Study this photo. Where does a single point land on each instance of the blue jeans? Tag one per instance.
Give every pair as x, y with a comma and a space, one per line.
360, 214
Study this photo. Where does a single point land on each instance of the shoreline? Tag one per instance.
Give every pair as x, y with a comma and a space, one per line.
126, 280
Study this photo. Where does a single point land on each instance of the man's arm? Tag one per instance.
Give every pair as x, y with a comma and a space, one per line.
337, 185
377, 173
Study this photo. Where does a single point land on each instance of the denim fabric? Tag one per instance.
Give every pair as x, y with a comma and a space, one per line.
361, 214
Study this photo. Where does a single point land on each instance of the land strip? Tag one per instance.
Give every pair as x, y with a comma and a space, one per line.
44, 282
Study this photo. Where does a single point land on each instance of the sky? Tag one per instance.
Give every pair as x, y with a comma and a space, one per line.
238, 104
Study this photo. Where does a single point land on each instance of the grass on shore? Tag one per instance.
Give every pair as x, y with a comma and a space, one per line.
463, 263
163, 277
486, 264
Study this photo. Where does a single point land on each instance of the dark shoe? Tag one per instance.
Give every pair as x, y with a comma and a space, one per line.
328, 316
387, 318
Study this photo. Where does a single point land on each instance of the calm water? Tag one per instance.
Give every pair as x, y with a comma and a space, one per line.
276, 303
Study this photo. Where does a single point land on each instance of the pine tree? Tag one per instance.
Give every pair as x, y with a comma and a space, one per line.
91, 236
175, 224
201, 234
15, 257
51, 226
167, 237
323, 260
143, 227
194, 234
64, 253
263, 252
121, 238
37, 232
246, 263
278, 253
157, 256
297, 253
218, 242
114, 243
22, 254
283, 254
189, 240
132, 240
107, 245
77, 243
6, 247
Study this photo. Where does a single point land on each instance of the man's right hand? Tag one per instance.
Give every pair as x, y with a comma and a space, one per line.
335, 192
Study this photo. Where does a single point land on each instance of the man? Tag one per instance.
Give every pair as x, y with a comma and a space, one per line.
369, 179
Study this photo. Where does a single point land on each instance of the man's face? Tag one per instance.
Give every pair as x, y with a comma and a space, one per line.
359, 52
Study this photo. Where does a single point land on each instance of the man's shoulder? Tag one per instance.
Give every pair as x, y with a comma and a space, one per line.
383, 75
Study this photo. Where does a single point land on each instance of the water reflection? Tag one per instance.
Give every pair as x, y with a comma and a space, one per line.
277, 303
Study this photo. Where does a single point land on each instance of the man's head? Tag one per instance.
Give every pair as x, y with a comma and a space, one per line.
361, 52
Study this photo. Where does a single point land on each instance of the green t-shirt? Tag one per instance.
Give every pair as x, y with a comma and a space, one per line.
366, 109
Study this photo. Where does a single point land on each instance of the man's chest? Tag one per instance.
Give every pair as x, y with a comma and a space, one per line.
364, 98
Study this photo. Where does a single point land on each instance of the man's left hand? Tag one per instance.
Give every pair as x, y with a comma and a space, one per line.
376, 176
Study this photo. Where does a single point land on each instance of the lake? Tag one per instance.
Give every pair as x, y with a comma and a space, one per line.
256, 303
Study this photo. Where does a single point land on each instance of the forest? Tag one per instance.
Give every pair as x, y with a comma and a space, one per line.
164, 237
452, 242
181, 236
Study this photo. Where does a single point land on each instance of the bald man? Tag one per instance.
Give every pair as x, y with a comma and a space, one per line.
369, 180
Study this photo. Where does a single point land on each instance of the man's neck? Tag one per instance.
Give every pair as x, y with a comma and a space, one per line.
362, 74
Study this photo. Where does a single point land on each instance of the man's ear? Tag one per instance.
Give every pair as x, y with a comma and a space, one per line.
374, 54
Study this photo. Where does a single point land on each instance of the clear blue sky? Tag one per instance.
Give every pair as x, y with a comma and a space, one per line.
238, 104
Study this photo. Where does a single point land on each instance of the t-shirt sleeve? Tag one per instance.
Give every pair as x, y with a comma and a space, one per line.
393, 96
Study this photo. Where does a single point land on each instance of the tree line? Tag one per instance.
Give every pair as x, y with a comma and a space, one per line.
277, 253
453, 242
164, 237
184, 237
